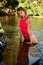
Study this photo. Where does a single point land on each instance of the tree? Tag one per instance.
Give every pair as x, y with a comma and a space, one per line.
7, 3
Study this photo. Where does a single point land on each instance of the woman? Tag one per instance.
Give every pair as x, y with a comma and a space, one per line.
25, 26
29, 38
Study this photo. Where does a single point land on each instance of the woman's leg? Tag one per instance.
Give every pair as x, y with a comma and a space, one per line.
33, 39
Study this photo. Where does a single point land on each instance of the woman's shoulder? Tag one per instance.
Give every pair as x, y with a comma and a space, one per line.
29, 18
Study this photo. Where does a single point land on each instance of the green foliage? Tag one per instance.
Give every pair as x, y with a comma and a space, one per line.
2, 3
6, 3
32, 7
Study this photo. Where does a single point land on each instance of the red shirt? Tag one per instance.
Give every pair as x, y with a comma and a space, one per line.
23, 27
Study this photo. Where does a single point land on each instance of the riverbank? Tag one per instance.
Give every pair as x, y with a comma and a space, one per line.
37, 16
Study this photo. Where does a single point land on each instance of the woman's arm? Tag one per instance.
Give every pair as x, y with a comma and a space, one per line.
29, 25
29, 22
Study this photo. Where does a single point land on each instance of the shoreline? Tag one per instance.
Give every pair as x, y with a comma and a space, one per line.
37, 16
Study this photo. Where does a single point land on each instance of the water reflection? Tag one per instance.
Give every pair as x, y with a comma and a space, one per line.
11, 28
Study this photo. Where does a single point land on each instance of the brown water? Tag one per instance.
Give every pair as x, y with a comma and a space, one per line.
11, 29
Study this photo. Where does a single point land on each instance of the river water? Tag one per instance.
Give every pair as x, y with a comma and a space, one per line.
10, 25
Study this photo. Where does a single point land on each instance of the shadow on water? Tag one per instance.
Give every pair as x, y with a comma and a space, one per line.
11, 28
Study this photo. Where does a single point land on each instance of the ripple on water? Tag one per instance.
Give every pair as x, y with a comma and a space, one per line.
39, 35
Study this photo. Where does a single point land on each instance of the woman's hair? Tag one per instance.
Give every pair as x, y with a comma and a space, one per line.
21, 9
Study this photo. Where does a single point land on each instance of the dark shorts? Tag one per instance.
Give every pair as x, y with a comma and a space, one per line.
26, 40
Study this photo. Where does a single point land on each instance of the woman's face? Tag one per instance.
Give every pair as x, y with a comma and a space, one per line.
21, 14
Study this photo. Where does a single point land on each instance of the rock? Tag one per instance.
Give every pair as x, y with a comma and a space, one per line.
7, 11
